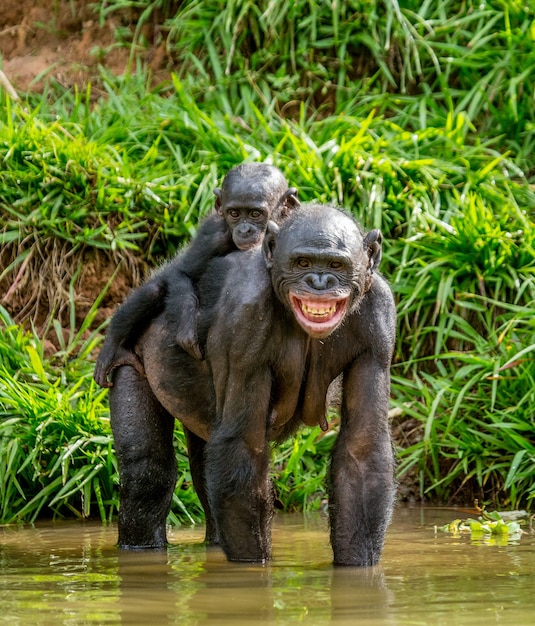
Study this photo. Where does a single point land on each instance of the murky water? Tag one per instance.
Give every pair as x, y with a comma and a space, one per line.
71, 573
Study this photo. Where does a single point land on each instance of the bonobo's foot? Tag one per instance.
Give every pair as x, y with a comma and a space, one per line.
366, 552
105, 366
144, 538
187, 340
244, 546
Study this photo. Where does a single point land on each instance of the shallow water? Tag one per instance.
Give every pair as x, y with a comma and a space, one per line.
71, 573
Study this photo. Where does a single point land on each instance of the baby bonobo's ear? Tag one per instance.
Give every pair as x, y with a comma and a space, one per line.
217, 194
268, 245
289, 201
373, 246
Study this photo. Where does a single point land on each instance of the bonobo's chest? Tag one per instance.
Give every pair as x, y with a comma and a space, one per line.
302, 373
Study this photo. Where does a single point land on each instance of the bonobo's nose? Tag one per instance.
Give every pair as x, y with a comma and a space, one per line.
244, 228
321, 282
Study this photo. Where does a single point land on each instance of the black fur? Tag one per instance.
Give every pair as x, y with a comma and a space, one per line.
252, 194
267, 372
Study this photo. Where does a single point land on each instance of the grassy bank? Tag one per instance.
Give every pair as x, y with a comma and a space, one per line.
415, 117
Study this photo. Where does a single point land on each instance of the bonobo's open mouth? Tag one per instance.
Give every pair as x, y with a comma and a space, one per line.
318, 316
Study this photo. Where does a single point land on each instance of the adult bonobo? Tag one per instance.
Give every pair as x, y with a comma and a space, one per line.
278, 326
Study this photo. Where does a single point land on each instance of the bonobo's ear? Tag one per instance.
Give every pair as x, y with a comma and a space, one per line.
268, 245
217, 194
373, 248
289, 201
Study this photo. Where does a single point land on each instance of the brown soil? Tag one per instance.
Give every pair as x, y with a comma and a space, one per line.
59, 40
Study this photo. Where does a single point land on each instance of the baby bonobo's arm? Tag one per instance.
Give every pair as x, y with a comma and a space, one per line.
126, 326
213, 239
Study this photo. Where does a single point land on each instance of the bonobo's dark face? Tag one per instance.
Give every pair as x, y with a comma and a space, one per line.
246, 212
253, 193
319, 265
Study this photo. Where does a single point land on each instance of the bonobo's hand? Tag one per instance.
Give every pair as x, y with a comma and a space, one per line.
110, 358
186, 338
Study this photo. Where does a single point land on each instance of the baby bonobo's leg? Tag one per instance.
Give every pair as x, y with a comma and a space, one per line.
127, 325
186, 320
112, 356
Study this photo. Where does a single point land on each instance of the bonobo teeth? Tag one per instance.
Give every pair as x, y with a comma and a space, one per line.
318, 317
318, 310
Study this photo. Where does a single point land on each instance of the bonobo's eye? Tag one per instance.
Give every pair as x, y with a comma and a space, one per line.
255, 214
233, 213
303, 263
336, 265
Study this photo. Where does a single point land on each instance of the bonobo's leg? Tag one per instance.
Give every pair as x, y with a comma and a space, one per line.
240, 496
196, 451
182, 306
362, 486
143, 434
127, 324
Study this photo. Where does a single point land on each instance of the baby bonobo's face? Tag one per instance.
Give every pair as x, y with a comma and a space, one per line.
246, 210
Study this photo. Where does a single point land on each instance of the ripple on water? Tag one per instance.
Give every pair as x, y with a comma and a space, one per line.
71, 573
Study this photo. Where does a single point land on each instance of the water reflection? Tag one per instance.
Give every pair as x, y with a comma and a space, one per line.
71, 573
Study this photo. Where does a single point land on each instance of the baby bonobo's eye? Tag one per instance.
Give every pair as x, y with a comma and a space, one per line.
255, 214
233, 213
303, 263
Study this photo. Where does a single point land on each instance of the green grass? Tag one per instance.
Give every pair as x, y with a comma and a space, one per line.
421, 58
56, 447
417, 116
475, 409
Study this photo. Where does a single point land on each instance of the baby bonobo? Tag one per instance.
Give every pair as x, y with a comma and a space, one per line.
251, 195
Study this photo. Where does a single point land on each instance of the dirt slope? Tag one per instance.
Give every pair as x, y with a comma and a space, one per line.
57, 39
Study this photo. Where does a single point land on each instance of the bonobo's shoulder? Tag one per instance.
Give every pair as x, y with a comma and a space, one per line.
247, 274
212, 230
371, 328
380, 293
377, 310
212, 240
239, 278
213, 221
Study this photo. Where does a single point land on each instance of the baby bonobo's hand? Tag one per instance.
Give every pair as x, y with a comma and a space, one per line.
112, 357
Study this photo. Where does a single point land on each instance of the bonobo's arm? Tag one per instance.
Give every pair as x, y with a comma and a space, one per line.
212, 239
126, 325
237, 454
362, 484
237, 467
